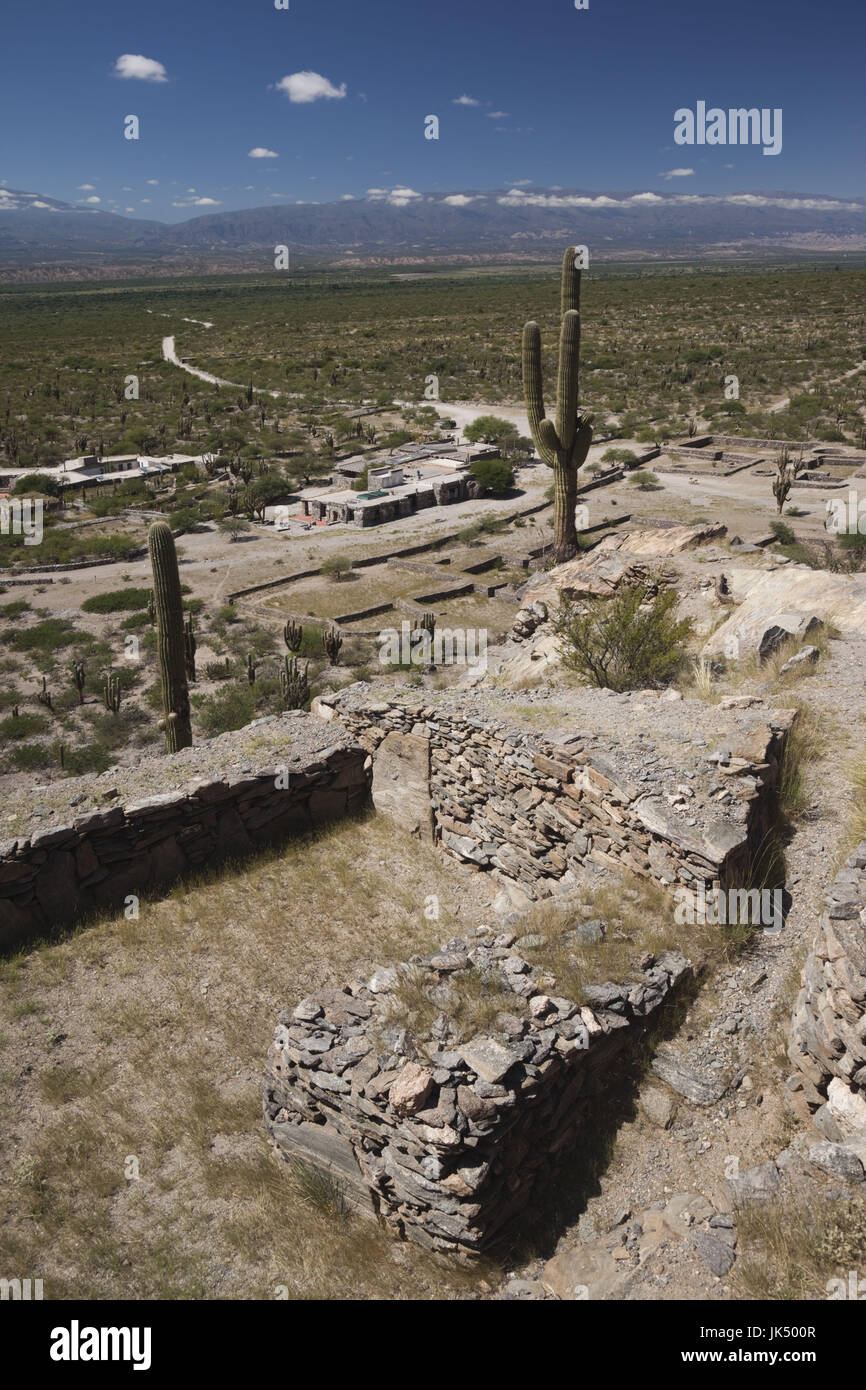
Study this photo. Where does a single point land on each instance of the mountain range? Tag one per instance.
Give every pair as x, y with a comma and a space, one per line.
38, 232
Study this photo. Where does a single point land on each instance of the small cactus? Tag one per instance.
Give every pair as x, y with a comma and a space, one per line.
44, 695
251, 668
293, 635
15, 712
112, 692
61, 752
294, 686
79, 676
427, 622
189, 648
332, 642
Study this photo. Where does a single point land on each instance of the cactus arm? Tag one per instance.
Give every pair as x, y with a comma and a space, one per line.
570, 289
567, 382
534, 395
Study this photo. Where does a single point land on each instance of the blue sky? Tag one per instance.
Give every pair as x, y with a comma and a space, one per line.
589, 97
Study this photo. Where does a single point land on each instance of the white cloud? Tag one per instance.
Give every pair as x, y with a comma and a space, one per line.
196, 203
129, 209
192, 190
395, 197
309, 86
144, 200
126, 188
153, 181
496, 115
348, 198
459, 200
85, 188
465, 101
136, 65
260, 152
37, 204
93, 200
517, 198
676, 174
522, 183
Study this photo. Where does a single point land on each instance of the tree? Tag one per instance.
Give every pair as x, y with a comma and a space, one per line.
265, 491
38, 482
490, 429
233, 526
565, 445
494, 475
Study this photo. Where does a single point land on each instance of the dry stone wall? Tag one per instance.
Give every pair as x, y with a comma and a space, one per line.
532, 808
828, 1027
442, 1137
89, 842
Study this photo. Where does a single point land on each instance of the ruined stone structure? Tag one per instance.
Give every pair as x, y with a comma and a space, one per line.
278, 776
828, 1027
440, 1136
629, 791
358, 510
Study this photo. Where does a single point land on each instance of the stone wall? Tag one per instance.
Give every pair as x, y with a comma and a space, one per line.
531, 808
445, 1135
96, 840
828, 1028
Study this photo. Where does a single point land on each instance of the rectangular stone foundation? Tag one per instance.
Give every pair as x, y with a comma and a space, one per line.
445, 1139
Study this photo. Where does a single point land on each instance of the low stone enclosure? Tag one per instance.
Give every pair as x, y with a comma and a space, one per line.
677, 791
86, 843
445, 1140
828, 1030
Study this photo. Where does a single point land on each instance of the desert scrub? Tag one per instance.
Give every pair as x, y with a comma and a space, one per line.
117, 601
791, 1248
627, 642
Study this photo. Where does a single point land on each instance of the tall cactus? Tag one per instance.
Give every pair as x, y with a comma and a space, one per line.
293, 635
332, 642
294, 686
79, 676
562, 446
169, 637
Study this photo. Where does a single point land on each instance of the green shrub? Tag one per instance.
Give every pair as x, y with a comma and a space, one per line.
44, 637
226, 709
116, 601
23, 727
783, 533
336, 566
646, 481
623, 643
14, 610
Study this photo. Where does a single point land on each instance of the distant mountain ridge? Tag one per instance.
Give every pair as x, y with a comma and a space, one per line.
401, 224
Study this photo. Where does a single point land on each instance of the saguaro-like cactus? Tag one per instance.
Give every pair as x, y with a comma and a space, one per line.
332, 642
79, 675
427, 622
44, 695
169, 637
294, 686
564, 445
251, 668
293, 635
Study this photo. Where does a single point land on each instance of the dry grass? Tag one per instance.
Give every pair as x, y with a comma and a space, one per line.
790, 1248
145, 1040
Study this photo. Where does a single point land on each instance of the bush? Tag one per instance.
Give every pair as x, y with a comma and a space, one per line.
117, 601
619, 456
226, 709
646, 481
23, 727
494, 475
783, 533
623, 643
336, 566
44, 637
